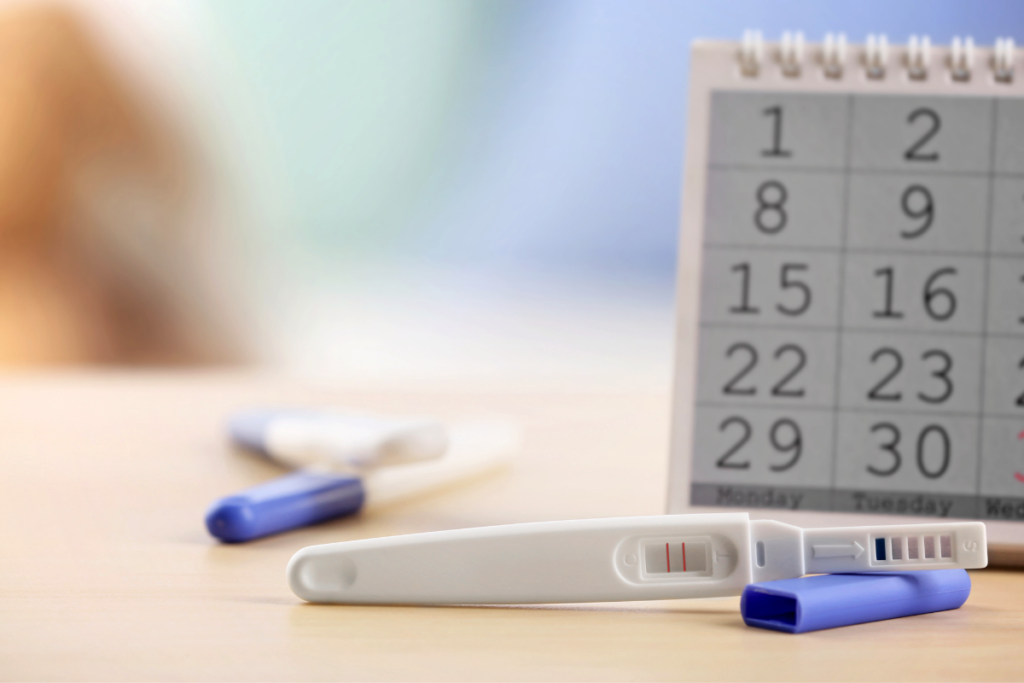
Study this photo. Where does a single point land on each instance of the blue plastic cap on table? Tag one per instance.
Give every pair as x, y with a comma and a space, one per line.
813, 603
289, 502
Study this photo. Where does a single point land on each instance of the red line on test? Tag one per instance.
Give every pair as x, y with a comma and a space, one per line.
684, 557
668, 562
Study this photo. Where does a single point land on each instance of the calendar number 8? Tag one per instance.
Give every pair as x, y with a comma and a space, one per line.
770, 217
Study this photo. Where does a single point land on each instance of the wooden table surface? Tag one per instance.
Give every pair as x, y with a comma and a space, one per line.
107, 573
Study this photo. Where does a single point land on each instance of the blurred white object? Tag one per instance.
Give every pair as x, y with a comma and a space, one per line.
338, 439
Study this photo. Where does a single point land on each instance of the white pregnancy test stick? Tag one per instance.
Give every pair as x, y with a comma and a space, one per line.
344, 440
474, 447
626, 558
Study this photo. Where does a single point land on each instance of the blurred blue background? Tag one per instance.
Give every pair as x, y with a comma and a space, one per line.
499, 133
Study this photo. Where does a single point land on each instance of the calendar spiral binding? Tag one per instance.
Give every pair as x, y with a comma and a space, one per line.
832, 56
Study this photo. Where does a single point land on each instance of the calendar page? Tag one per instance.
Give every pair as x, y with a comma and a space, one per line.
852, 283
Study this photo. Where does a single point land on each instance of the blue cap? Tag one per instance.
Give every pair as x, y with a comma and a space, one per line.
813, 603
289, 502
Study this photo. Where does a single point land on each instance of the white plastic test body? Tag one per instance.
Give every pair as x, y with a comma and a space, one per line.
627, 558
474, 447
352, 440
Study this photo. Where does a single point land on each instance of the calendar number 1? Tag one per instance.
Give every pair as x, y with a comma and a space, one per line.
776, 150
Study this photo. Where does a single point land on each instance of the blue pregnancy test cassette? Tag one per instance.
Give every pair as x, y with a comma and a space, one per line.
830, 600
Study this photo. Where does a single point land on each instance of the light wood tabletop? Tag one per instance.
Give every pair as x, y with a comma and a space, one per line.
107, 573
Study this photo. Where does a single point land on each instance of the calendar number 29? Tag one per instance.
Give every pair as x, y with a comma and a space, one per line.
784, 436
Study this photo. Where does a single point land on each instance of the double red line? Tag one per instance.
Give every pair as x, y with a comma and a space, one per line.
668, 560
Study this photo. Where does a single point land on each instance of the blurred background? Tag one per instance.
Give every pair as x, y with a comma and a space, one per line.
355, 188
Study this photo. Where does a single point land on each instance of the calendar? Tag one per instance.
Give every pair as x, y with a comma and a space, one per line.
851, 298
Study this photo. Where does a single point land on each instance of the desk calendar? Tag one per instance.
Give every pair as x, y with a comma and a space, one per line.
852, 281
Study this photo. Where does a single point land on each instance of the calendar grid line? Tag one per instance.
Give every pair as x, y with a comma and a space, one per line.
770, 327
843, 227
984, 298
816, 170
867, 251
852, 410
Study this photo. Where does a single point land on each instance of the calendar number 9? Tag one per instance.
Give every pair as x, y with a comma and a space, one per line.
917, 204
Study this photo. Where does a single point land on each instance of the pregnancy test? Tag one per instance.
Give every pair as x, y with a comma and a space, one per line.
345, 440
331, 488
625, 558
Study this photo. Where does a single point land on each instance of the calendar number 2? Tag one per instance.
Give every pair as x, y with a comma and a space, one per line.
932, 123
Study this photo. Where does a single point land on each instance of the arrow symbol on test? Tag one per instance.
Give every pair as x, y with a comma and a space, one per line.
841, 550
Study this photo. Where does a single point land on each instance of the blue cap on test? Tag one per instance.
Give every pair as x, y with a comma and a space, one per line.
289, 502
813, 603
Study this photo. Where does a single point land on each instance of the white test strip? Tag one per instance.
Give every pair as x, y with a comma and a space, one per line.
626, 558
